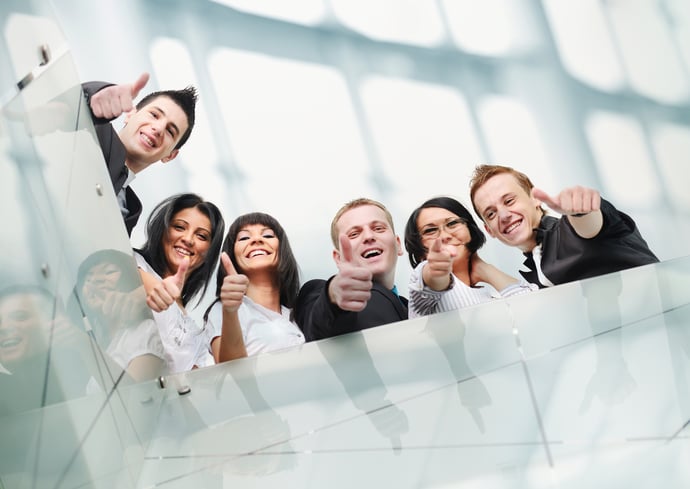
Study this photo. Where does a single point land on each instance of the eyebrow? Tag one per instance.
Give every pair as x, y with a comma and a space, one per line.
172, 124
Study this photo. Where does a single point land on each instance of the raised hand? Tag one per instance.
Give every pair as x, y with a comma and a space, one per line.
574, 200
439, 266
162, 295
581, 205
234, 286
350, 289
113, 101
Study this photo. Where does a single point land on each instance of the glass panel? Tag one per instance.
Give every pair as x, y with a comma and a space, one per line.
584, 41
260, 97
671, 145
490, 27
307, 12
71, 303
622, 156
553, 385
405, 21
648, 50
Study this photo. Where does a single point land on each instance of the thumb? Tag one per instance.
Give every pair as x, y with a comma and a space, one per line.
345, 249
139, 84
545, 198
181, 273
227, 264
436, 246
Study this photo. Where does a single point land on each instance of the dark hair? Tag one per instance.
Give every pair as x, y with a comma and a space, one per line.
288, 270
413, 240
157, 227
125, 263
185, 98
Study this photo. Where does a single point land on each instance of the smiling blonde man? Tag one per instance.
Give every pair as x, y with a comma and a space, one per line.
362, 294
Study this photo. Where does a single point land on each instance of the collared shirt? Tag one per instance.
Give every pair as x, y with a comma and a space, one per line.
564, 256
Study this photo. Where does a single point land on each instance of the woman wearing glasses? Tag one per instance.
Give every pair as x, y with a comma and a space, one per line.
442, 240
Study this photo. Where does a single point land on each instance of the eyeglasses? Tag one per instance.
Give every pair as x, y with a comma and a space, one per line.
433, 231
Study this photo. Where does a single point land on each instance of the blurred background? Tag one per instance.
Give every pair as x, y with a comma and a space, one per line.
307, 104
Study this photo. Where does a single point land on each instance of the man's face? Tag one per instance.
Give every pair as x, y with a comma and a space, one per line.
374, 243
509, 213
151, 133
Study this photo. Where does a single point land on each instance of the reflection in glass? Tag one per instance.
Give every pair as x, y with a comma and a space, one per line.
113, 301
43, 354
351, 362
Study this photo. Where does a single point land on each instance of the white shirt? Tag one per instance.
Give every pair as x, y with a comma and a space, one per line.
423, 300
263, 330
185, 344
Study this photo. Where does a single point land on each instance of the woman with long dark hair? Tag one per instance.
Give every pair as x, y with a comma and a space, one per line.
184, 237
257, 286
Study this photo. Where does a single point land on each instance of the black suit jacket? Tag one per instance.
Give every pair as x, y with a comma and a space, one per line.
319, 318
114, 154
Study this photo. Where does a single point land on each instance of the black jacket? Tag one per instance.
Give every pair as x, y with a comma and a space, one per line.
319, 318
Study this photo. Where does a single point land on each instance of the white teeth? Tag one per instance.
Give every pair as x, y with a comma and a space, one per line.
370, 253
183, 251
511, 227
10, 342
148, 140
257, 253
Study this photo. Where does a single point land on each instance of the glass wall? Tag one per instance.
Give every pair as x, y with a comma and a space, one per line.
581, 385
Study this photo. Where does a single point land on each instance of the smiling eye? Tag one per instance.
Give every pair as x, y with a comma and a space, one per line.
430, 231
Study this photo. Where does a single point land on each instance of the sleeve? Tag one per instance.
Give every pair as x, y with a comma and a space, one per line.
313, 311
89, 89
214, 322
423, 300
522, 287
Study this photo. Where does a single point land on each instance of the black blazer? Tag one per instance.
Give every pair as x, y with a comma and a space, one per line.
114, 154
319, 318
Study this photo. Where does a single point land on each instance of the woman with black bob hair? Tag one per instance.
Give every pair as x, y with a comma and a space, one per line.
442, 240
257, 285
184, 236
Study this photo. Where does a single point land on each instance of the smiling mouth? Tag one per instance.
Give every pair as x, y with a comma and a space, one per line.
10, 342
150, 142
254, 253
183, 251
371, 254
512, 227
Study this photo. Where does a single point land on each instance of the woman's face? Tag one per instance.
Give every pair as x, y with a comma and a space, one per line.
437, 222
100, 279
188, 236
256, 247
24, 326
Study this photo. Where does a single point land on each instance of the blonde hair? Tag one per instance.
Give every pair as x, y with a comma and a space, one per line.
352, 205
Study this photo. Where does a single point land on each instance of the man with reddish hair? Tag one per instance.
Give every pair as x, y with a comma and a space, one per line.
590, 238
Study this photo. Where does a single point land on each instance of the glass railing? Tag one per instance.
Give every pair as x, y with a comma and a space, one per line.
71, 303
581, 385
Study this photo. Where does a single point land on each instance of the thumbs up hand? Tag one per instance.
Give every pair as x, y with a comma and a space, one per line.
113, 101
234, 286
350, 289
161, 295
439, 266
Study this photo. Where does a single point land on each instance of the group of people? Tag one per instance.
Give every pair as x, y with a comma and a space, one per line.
260, 304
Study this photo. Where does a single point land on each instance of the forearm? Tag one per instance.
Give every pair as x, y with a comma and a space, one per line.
231, 343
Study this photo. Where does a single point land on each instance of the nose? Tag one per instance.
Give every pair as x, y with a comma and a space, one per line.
188, 238
503, 213
445, 234
367, 234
